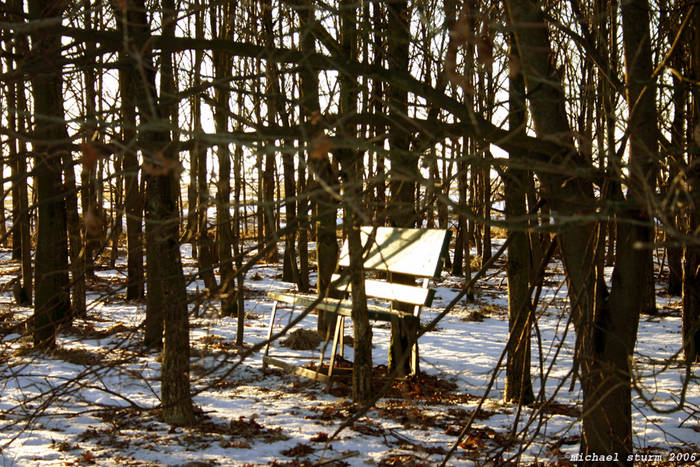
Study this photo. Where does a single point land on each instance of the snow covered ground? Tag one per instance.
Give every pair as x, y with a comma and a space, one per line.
95, 400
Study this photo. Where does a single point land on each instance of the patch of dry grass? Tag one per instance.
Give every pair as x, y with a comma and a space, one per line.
302, 339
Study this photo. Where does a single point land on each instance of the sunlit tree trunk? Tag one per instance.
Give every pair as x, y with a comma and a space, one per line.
76, 250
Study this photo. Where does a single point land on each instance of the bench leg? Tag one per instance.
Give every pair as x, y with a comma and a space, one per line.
269, 333
339, 324
326, 340
414, 359
341, 352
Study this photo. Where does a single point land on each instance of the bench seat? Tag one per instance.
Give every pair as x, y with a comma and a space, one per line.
342, 307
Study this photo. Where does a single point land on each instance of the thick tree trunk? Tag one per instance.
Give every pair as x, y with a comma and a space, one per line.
166, 308
52, 304
518, 267
404, 167
325, 203
606, 332
691, 254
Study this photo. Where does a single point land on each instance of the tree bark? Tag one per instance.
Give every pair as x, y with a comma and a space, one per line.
518, 266
222, 70
691, 253
166, 312
351, 162
133, 203
321, 191
206, 246
21, 225
76, 250
52, 304
404, 166
605, 339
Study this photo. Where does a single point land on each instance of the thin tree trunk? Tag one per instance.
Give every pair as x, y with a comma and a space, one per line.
118, 209
222, 70
207, 256
132, 197
351, 161
77, 259
21, 226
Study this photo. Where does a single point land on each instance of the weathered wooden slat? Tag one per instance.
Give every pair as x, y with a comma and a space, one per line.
294, 369
418, 252
334, 305
389, 290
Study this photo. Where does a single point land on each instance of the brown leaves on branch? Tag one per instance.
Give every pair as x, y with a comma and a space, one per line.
320, 148
90, 156
158, 164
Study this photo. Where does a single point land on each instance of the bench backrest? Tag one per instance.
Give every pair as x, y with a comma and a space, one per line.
415, 252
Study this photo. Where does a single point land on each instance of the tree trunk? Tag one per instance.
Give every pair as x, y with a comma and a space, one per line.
117, 209
222, 70
404, 167
351, 161
303, 217
320, 168
461, 237
518, 266
605, 339
272, 98
206, 246
76, 251
21, 226
133, 202
52, 305
691, 254
166, 309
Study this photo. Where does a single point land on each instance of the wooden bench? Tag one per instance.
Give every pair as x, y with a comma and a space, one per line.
389, 251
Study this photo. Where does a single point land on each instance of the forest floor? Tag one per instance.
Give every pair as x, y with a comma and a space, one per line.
94, 400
